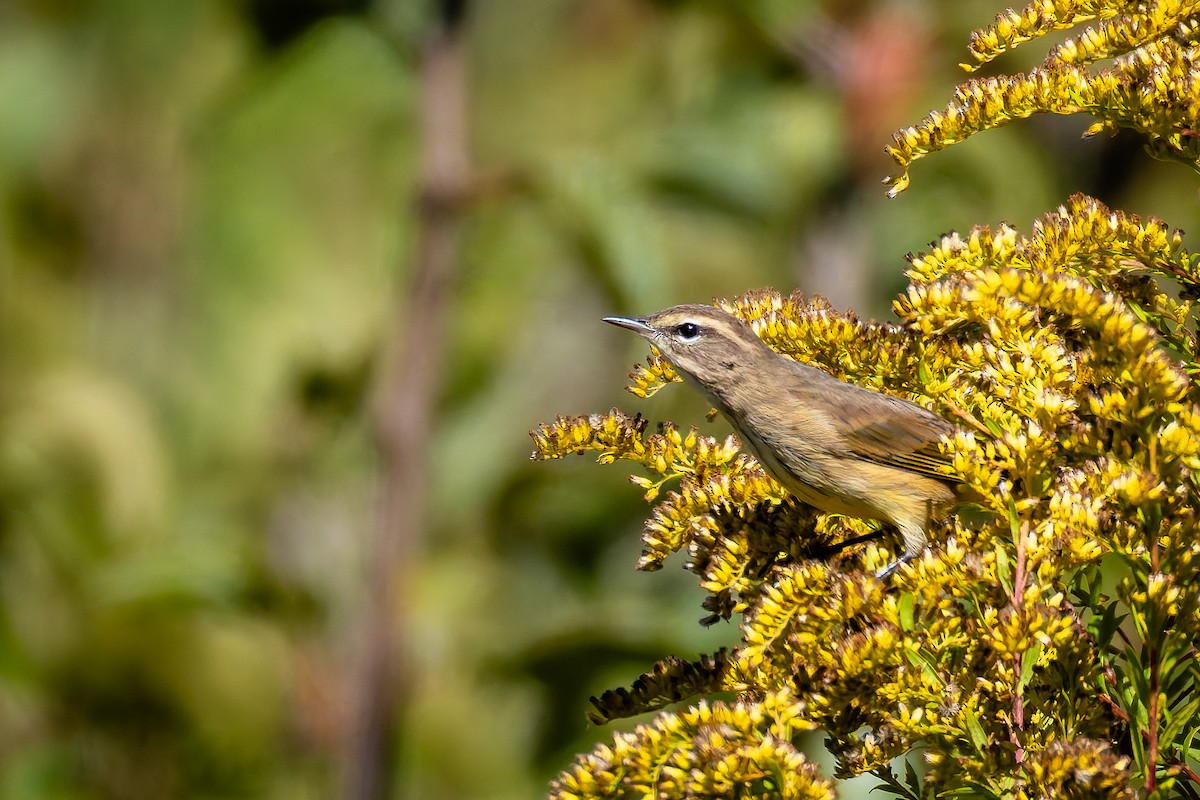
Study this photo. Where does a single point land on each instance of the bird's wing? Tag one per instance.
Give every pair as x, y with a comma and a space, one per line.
885, 429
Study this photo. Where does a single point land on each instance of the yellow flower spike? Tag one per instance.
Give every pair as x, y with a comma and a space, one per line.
1146, 87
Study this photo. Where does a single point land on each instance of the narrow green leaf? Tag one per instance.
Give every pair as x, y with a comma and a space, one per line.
905, 612
912, 779
1175, 722
1004, 569
1104, 626
1188, 747
978, 736
1029, 661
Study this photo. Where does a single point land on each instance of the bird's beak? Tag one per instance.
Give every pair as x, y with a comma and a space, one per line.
636, 324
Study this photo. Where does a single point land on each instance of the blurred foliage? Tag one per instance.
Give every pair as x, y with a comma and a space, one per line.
205, 224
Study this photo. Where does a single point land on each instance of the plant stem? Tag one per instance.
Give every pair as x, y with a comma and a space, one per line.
1152, 710
1018, 601
403, 419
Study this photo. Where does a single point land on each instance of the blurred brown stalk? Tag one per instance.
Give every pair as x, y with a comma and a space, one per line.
402, 423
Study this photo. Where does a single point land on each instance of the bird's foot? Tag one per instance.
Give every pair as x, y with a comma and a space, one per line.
887, 571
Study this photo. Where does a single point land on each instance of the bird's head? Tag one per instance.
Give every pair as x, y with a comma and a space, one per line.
706, 345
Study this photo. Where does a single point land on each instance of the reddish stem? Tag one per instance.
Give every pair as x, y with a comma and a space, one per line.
1018, 603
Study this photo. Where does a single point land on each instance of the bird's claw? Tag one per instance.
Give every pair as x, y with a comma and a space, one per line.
887, 571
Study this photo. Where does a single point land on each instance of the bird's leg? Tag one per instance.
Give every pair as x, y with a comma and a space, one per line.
834, 549
914, 544
912, 548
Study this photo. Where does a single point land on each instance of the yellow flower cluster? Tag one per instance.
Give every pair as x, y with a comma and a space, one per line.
718, 489
743, 750
1085, 769
1150, 83
1041, 17
672, 679
940, 661
1071, 370
668, 453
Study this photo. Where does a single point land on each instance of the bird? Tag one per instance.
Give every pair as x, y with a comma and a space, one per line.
841, 448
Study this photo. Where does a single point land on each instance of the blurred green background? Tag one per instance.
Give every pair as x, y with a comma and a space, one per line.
207, 228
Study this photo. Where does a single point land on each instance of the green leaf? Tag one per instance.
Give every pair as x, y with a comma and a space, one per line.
1028, 661
905, 611
1178, 720
1004, 569
893, 786
911, 778
1104, 626
979, 737
1187, 746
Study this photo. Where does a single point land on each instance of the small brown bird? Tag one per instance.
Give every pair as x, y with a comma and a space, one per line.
838, 447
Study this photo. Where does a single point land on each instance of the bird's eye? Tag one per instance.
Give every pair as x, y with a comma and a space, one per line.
688, 331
